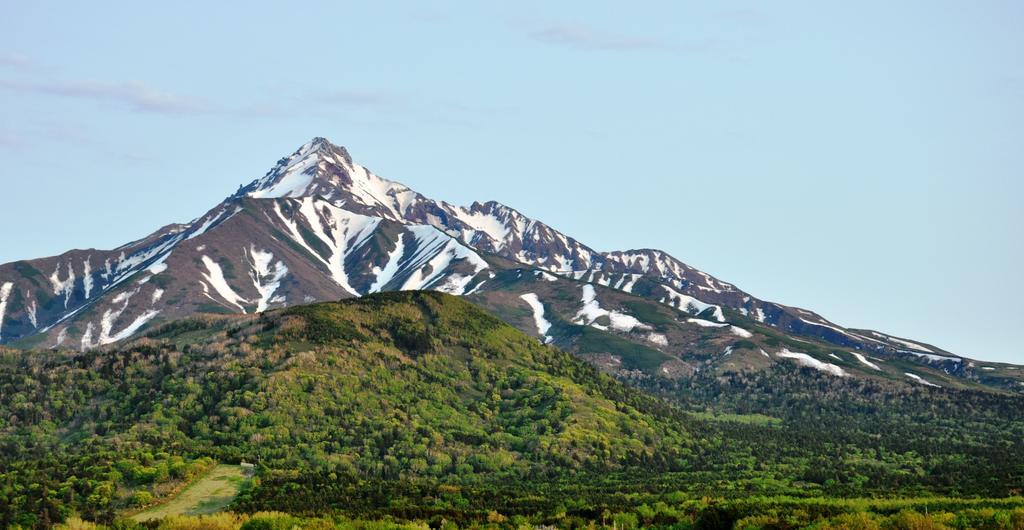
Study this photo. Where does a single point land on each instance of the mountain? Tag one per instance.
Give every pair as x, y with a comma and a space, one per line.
319, 226
422, 405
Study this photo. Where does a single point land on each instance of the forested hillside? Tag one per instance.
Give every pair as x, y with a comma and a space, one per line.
422, 406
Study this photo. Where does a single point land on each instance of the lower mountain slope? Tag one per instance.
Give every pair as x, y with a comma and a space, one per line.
390, 386
421, 405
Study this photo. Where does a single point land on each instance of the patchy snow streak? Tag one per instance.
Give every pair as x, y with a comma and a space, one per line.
538, 314
5, 293
657, 338
690, 304
384, 275
920, 379
865, 362
930, 357
912, 345
87, 277
339, 231
131, 328
63, 287
806, 360
545, 276
87, 337
706, 323
215, 277
30, 310
294, 180
592, 310
440, 251
266, 277
740, 332
107, 335
486, 223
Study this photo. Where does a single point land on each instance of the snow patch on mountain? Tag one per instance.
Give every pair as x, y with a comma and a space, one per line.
905, 343
87, 277
475, 288
657, 338
592, 310
384, 275
214, 276
538, 314
134, 326
931, 357
740, 332
30, 311
5, 293
706, 323
207, 223
865, 362
627, 281
109, 319
920, 379
454, 284
63, 287
292, 180
371, 190
266, 277
485, 223
61, 337
545, 276
806, 360
87, 337
441, 250
690, 304
338, 230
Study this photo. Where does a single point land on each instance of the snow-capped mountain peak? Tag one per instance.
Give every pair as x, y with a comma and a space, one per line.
324, 170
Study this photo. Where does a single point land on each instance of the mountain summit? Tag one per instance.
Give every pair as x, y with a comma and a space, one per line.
322, 170
319, 226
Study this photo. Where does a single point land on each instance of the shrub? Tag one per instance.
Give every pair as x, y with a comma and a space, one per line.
141, 498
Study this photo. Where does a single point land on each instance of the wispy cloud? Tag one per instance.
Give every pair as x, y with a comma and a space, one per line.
11, 141
744, 15
37, 136
590, 39
360, 98
587, 38
13, 60
133, 95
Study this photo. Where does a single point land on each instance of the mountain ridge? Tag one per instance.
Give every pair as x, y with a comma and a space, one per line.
319, 226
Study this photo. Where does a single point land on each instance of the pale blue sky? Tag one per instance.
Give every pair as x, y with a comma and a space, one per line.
862, 159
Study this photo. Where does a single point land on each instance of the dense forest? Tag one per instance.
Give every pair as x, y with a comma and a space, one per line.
421, 407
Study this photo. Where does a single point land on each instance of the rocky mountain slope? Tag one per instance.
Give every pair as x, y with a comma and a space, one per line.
319, 226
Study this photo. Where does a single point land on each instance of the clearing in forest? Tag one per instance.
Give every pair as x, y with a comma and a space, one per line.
210, 493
